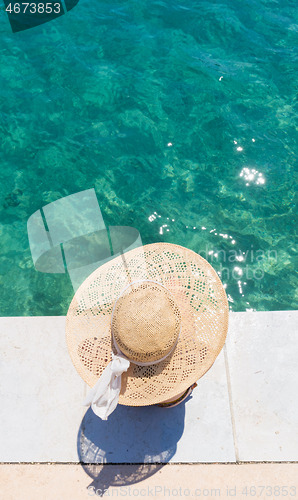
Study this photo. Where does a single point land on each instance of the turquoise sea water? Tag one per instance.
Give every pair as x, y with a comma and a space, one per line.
182, 117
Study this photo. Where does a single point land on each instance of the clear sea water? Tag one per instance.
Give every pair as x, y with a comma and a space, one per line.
182, 117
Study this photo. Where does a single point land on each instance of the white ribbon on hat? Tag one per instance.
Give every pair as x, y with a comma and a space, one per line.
104, 396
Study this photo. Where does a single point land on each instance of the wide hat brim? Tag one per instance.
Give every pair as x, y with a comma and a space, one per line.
200, 296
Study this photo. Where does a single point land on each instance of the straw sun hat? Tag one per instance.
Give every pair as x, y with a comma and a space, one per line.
146, 325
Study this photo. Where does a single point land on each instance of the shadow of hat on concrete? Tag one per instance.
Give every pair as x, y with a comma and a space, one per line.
133, 444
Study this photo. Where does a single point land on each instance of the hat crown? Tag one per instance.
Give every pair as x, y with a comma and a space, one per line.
145, 322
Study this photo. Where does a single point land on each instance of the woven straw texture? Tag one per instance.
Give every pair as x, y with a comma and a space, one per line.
145, 322
199, 296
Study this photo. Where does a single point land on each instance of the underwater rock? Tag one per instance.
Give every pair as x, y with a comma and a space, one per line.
12, 199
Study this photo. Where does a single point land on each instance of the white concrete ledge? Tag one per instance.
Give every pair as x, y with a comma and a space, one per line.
244, 408
262, 352
40, 391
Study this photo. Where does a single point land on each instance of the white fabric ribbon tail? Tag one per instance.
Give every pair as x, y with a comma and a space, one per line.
104, 396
